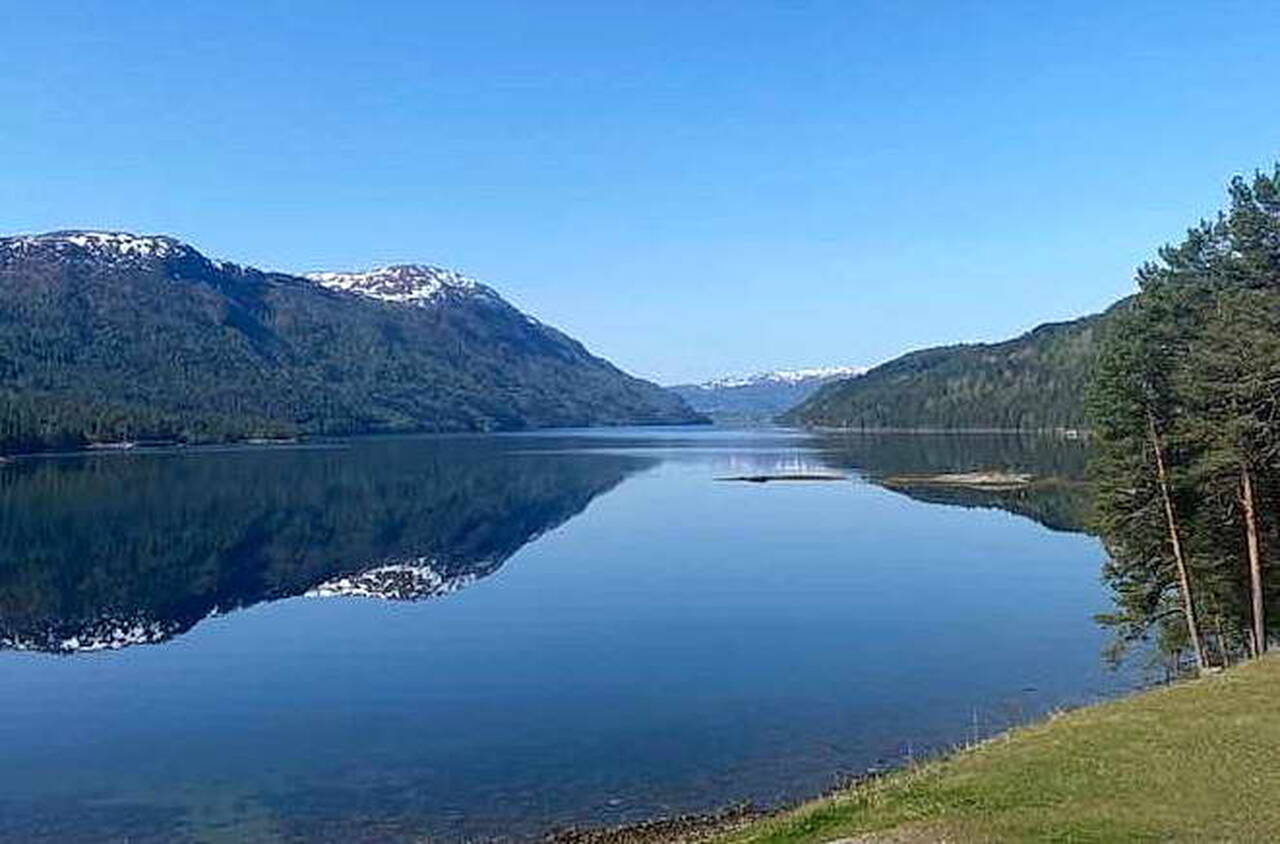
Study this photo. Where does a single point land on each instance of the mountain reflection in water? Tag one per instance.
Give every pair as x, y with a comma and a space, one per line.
1057, 497
104, 552
677, 645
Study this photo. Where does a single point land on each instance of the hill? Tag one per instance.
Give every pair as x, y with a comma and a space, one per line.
1035, 381
760, 397
109, 336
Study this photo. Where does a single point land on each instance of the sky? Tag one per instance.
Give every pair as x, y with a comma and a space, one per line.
690, 188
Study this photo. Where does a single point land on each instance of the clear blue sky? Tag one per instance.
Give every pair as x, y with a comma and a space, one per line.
691, 188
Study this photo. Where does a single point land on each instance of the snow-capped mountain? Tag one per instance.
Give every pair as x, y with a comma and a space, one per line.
415, 283
107, 247
117, 336
760, 397
821, 374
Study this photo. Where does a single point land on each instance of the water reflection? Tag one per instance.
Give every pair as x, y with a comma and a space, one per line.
1057, 496
683, 645
110, 551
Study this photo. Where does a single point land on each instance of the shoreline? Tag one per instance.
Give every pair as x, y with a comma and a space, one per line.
144, 446
1063, 433
1112, 770
687, 828
737, 823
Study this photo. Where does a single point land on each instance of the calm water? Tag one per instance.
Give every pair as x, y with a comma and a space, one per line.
473, 637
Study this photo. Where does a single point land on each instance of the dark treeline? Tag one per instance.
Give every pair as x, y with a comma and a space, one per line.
34, 422
1184, 403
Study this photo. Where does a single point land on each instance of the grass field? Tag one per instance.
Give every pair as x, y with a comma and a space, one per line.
1196, 761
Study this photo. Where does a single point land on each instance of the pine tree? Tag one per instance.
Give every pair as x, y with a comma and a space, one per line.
1132, 404
1196, 360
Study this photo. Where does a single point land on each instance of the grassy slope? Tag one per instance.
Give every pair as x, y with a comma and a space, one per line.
1198, 761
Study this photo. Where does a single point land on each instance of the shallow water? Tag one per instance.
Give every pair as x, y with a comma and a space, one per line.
475, 637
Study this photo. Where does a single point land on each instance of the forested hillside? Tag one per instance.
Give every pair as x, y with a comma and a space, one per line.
1035, 381
107, 336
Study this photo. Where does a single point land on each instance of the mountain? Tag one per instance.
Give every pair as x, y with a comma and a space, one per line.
108, 336
1035, 381
760, 397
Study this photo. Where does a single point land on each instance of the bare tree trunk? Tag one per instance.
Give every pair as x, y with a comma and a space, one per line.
1184, 577
1255, 560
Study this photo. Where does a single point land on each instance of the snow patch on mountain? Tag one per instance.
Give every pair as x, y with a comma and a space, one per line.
107, 247
406, 283
100, 243
411, 580
412, 283
103, 634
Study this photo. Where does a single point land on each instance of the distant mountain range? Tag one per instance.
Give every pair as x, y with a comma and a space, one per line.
1034, 381
114, 336
760, 397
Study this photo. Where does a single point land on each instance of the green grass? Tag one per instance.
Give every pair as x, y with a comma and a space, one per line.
1197, 761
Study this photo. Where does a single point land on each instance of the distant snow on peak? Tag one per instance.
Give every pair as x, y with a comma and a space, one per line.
784, 376
762, 396
412, 283
109, 244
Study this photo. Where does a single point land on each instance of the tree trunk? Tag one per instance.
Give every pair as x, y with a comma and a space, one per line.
1224, 655
1255, 560
1184, 577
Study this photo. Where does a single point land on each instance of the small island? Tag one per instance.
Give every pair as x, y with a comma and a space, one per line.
989, 480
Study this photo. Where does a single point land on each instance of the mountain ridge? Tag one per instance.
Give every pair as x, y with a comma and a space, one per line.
780, 376
758, 398
113, 335
1034, 381
420, 284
